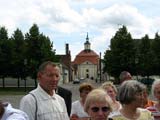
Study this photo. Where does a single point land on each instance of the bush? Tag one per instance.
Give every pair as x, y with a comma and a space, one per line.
146, 81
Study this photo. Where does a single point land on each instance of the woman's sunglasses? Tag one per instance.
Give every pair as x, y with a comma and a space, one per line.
103, 109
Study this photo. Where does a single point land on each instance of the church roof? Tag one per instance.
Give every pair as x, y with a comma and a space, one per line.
86, 55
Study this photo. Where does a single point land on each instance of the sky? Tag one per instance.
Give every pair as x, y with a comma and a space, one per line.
68, 21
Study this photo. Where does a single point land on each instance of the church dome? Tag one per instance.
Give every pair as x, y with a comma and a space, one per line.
86, 55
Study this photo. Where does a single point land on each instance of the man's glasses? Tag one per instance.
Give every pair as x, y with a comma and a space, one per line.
103, 109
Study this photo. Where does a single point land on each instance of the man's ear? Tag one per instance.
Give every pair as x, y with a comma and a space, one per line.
39, 74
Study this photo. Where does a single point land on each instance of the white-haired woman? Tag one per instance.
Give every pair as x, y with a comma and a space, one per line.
131, 97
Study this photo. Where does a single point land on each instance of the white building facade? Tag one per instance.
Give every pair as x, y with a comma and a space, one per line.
86, 63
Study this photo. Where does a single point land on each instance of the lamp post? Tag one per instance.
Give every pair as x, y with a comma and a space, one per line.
100, 72
25, 63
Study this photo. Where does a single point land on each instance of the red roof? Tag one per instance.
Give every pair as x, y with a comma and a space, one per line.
86, 55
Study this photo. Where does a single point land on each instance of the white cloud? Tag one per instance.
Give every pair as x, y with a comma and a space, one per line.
75, 48
89, 1
107, 21
100, 18
155, 26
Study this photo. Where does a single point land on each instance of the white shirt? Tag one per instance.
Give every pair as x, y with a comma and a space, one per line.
11, 113
48, 107
78, 109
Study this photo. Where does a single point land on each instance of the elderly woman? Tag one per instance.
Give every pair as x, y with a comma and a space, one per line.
77, 111
131, 97
111, 90
155, 109
98, 105
147, 102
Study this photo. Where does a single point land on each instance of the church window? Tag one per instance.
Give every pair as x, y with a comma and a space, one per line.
87, 70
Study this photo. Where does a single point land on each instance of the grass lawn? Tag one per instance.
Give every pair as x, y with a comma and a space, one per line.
14, 90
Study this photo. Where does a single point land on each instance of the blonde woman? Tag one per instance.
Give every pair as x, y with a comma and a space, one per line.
111, 90
98, 105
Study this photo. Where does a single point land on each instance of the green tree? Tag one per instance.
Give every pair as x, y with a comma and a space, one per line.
39, 49
33, 50
5, 54
18, 55
46, 46
122, 53
156, 53
108, 58
145, 57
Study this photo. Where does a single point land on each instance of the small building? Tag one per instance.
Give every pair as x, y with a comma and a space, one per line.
86, 63
65, 65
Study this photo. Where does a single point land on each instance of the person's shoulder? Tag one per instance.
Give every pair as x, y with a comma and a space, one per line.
28, 97
76, 102
145, 114
57, 96
144, 111
18, 115
15, 114
59, 99
114, 114
61, 89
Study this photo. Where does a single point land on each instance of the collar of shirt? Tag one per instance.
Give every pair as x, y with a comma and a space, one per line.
44, 95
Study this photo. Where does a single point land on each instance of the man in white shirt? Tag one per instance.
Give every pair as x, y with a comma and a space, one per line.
43, 103
7, 112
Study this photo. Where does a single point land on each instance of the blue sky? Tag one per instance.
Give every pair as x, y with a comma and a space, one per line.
68, 21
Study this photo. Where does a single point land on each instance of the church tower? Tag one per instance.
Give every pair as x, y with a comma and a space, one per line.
86, 63
87, 44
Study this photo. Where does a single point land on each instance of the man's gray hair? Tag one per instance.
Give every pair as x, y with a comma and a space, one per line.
123, 75
46, 63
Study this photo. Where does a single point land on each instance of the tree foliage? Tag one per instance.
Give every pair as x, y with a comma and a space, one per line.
145, 56
138, 56
18, 53
21, 55
4, 52
39, 49
156, 53
121, 54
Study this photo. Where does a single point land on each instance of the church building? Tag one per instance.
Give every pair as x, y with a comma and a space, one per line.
86, 63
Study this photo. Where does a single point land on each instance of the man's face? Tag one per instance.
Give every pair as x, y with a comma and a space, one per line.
84, 94
48, 79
